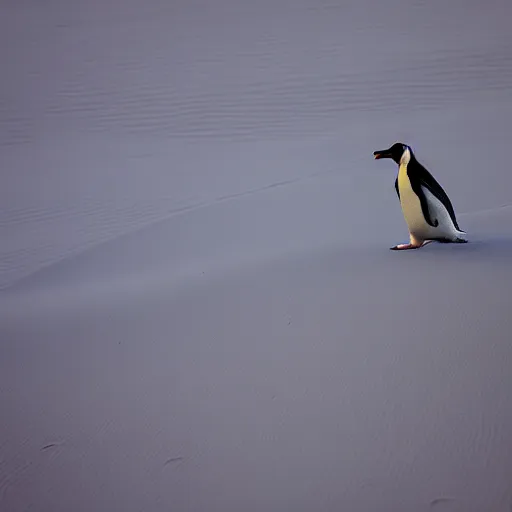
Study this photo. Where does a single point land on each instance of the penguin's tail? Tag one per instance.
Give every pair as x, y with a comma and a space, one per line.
461, 238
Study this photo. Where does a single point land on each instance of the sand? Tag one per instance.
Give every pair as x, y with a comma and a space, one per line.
199, 310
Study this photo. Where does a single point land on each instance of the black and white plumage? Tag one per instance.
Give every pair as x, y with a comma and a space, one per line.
427, 209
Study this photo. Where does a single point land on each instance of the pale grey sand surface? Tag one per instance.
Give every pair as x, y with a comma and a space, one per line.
198, 307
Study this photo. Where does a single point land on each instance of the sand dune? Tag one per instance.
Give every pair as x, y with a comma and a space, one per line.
329, 377
198, 307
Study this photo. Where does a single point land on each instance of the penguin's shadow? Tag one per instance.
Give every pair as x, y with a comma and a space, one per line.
478, 247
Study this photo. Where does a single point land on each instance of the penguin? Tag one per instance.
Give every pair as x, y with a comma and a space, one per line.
426, 207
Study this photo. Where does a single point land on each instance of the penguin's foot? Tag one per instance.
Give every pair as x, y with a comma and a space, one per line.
405, 247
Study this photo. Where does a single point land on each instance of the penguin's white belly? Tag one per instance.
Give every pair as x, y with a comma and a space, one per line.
413, 214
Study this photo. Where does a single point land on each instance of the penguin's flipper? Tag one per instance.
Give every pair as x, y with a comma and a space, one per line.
417, 189
396, 188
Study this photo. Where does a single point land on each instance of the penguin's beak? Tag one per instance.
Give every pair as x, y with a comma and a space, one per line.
381, 154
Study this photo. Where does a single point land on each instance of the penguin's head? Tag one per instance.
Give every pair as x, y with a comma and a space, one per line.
395, 152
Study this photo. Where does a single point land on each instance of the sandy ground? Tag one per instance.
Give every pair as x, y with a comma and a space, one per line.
198, 307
